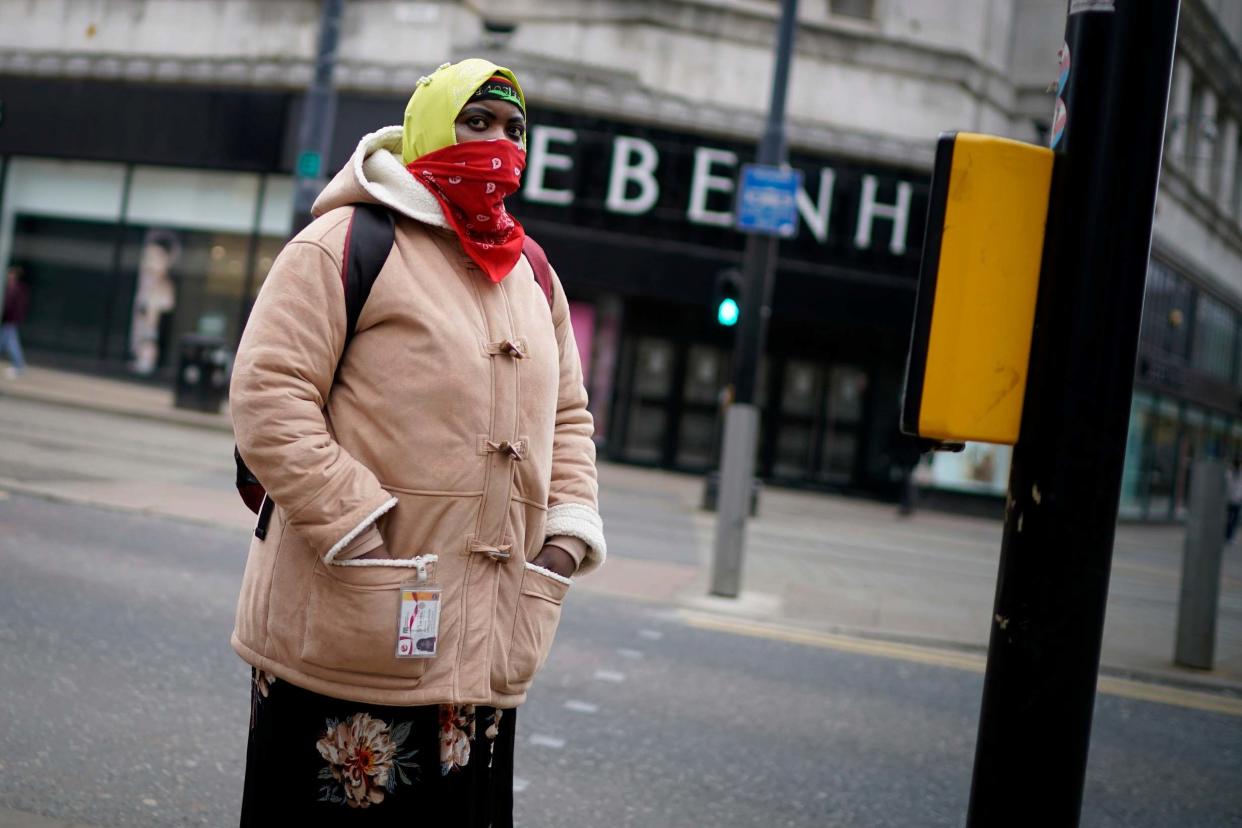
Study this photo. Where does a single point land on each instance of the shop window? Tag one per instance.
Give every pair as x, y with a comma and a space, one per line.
847, 387
276, 214
193, 199
1216, 441
59, 220
77, 298
184, 282
1138, 457
188, 244
699, 431
275, 228
651, 363
1193, 444
1162, 460
1214, 331
802, 397
1167, 311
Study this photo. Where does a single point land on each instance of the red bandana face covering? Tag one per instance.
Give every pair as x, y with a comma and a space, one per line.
471, 181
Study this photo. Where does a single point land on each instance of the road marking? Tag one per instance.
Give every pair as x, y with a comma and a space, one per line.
650, 635
975, 663
547, 741
610, 675
581, 706
519, 784
1163, 694
626, 652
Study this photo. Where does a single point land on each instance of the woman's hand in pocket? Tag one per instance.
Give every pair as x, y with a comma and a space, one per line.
557, 560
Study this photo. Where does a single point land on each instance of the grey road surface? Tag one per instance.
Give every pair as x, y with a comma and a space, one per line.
123, 705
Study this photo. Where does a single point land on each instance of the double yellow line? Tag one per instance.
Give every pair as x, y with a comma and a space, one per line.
1123, 688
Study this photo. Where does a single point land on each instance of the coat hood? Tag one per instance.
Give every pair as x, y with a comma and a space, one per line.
376, 175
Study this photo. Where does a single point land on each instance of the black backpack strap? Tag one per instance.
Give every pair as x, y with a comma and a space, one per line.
368, 241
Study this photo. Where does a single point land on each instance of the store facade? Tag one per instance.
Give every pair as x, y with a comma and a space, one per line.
167, 219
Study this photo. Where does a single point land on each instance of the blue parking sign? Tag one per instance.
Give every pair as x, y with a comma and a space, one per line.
767, 200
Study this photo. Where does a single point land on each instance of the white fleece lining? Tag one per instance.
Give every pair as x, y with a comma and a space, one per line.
549, 573
582, 522
378, 169
358, 530
410, 563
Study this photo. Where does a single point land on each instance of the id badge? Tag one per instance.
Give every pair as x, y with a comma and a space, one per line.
419, 624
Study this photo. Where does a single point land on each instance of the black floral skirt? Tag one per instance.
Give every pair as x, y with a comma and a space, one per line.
364, 764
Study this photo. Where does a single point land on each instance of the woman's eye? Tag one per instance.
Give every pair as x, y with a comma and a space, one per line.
517, 132
477, 122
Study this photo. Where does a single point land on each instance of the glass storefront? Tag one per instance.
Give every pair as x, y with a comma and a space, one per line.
814, 416
1215, 328
123, 260
699, 431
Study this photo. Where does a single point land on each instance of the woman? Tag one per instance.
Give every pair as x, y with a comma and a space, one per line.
439, 473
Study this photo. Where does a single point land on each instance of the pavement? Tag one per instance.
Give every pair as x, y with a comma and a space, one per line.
822, 568
139, 719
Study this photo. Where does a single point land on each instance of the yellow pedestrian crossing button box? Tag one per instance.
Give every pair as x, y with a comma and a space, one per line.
966, 373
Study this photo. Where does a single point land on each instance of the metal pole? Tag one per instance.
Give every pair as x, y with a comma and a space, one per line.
741, 424
6, 259
318, 115
1065, 484
1201, 562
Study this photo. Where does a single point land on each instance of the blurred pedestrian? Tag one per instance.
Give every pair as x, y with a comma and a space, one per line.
441, 475
16, 306
1233, 483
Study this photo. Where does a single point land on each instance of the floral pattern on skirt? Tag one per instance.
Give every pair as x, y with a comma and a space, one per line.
351, 763
365, 760
456, 732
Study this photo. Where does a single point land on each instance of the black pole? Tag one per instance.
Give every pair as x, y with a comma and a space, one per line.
741, 422
1065, 484
318, 115
759, 256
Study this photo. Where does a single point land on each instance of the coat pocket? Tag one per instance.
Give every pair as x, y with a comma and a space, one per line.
538, 614
352, 614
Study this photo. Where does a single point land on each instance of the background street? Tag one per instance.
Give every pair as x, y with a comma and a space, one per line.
126, 705
749, 212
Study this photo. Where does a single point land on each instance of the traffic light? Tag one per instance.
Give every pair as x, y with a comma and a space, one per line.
728, 293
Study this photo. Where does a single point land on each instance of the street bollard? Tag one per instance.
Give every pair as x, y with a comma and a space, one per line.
1201, 562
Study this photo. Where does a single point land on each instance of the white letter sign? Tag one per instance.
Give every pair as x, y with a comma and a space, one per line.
623, 173
539, 159
704, 182
816, 214
869, 211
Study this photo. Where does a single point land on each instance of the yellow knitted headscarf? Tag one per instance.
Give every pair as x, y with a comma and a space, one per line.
432, 110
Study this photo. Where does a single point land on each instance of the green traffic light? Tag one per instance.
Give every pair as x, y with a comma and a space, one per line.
727, 313
309, 164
